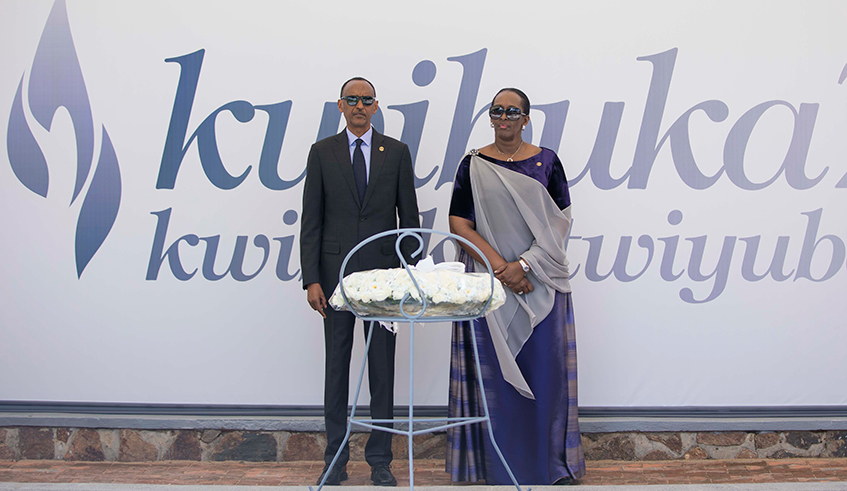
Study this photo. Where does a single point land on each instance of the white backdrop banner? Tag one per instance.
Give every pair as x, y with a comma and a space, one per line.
155, 153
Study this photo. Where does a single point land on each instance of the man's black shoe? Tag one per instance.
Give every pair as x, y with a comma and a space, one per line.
336, 475
381, 475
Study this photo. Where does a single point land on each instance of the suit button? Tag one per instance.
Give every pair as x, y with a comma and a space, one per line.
362, 219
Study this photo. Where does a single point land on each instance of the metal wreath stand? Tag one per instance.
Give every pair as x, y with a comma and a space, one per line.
412, 319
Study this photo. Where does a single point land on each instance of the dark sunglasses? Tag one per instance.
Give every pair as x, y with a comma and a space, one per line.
352, 100
512, 113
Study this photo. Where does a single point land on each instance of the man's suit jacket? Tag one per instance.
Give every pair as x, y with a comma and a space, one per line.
333, 221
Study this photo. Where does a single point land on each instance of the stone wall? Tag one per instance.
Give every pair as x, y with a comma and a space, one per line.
127, 445
718, 445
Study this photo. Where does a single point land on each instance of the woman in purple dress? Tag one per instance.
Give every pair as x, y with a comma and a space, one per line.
511, 200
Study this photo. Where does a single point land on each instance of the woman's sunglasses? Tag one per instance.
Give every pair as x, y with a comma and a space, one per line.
352, 100
512, 113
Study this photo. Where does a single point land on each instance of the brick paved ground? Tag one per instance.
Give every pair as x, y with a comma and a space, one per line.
428, 472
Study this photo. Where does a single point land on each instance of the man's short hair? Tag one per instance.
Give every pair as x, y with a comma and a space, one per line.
353, 79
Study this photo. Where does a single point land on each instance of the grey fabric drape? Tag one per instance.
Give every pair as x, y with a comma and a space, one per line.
517, 216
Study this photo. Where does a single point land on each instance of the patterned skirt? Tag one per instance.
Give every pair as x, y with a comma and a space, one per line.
539, 438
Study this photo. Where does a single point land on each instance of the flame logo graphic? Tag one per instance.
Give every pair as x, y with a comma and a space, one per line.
56, 81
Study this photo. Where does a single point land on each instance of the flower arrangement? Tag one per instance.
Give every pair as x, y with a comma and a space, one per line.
378, 293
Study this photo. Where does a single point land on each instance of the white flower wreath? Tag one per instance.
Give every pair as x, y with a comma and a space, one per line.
448, 289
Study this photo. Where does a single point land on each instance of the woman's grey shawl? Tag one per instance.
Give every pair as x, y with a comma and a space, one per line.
517, 216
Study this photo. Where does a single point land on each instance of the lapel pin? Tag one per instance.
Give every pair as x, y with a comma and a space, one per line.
381, 148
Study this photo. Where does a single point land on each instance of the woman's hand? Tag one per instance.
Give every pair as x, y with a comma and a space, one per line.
523, 286
510, 274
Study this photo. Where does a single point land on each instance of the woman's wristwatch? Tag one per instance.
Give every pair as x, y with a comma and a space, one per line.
524, 265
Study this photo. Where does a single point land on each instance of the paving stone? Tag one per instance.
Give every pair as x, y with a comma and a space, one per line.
210, 435
36, 443
133, 448
696, 453
400, 447
726, 439
611, 447
430, 446
185, 447
246, 446
426, 446
783, 454
162, 440
85, 446
63, 434
766, 440
836, 444
587, 438
6, 453
357, 444
63, 438
802, 439
746, 453
111, 441
305, 446
657, 455
671, 440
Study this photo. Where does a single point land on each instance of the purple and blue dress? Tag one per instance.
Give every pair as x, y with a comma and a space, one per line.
539, 437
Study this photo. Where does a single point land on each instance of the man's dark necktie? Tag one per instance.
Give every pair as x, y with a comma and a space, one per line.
359, 172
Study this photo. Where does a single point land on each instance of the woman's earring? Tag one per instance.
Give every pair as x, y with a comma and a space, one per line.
523, 128
492, 124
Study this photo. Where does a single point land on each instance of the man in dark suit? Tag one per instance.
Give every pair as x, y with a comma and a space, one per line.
358, 183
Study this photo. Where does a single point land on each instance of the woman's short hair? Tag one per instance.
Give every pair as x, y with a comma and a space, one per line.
520, 93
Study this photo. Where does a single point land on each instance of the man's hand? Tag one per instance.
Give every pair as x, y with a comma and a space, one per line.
316, 298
